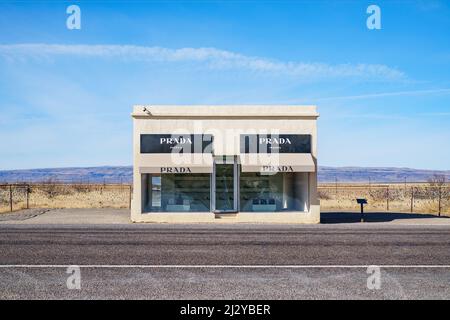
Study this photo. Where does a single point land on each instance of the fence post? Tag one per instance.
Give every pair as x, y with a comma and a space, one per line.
28, 197
440, 198
129, 200
412, 199
10, 198
387, 198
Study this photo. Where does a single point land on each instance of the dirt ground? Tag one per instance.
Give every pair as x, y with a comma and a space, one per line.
106, 216
67, 196
418, 198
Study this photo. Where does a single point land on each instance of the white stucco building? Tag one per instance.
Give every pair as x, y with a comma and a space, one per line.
239, 163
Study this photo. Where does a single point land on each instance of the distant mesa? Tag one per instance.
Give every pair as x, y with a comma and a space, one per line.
123, 174
378, 174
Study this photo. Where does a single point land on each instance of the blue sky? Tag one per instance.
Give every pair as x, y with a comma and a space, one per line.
383, 95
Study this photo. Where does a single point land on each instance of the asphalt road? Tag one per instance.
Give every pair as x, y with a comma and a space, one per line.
216, 262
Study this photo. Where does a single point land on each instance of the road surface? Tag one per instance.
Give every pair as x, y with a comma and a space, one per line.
224, 262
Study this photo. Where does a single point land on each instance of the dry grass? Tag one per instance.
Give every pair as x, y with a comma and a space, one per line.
424, 198
67, 196
341, 199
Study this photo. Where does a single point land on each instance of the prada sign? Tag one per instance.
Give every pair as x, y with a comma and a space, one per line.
271, 143
176, 170
277, 169
168, 143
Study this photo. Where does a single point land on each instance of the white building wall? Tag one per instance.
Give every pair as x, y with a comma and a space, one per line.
226, 128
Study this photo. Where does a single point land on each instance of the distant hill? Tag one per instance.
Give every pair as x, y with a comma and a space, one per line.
107, 174
115, 174
361, 174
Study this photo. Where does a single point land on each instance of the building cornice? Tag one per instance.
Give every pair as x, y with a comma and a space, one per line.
225, 111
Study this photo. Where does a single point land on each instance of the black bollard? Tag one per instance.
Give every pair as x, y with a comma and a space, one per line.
362, 202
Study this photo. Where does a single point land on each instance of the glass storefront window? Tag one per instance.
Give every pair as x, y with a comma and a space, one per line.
176, 192
282, 191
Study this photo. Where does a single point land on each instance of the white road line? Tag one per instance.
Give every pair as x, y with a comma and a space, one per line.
225, 266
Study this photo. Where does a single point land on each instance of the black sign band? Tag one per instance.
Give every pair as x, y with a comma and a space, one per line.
177, 143
272, 143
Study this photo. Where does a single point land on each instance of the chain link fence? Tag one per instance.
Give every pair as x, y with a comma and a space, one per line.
54, 195
419, 198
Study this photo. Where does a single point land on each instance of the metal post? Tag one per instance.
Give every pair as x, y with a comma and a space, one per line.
129, 200
336, 184
387, 198
440, 198
10, 198
28, 197
362, 212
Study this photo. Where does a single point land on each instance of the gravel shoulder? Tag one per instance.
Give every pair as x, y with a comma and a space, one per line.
107, 216
67, 216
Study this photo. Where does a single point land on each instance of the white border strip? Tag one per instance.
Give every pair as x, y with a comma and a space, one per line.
168, 266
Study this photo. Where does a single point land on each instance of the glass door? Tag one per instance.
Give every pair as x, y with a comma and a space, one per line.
225, 184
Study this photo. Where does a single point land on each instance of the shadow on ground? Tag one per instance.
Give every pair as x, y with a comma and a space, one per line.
353, 217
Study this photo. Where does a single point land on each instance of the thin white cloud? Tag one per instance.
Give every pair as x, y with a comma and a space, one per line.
436, 114
372, 116
213, 58
388, 94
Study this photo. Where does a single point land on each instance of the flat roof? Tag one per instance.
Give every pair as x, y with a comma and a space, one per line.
212, 111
